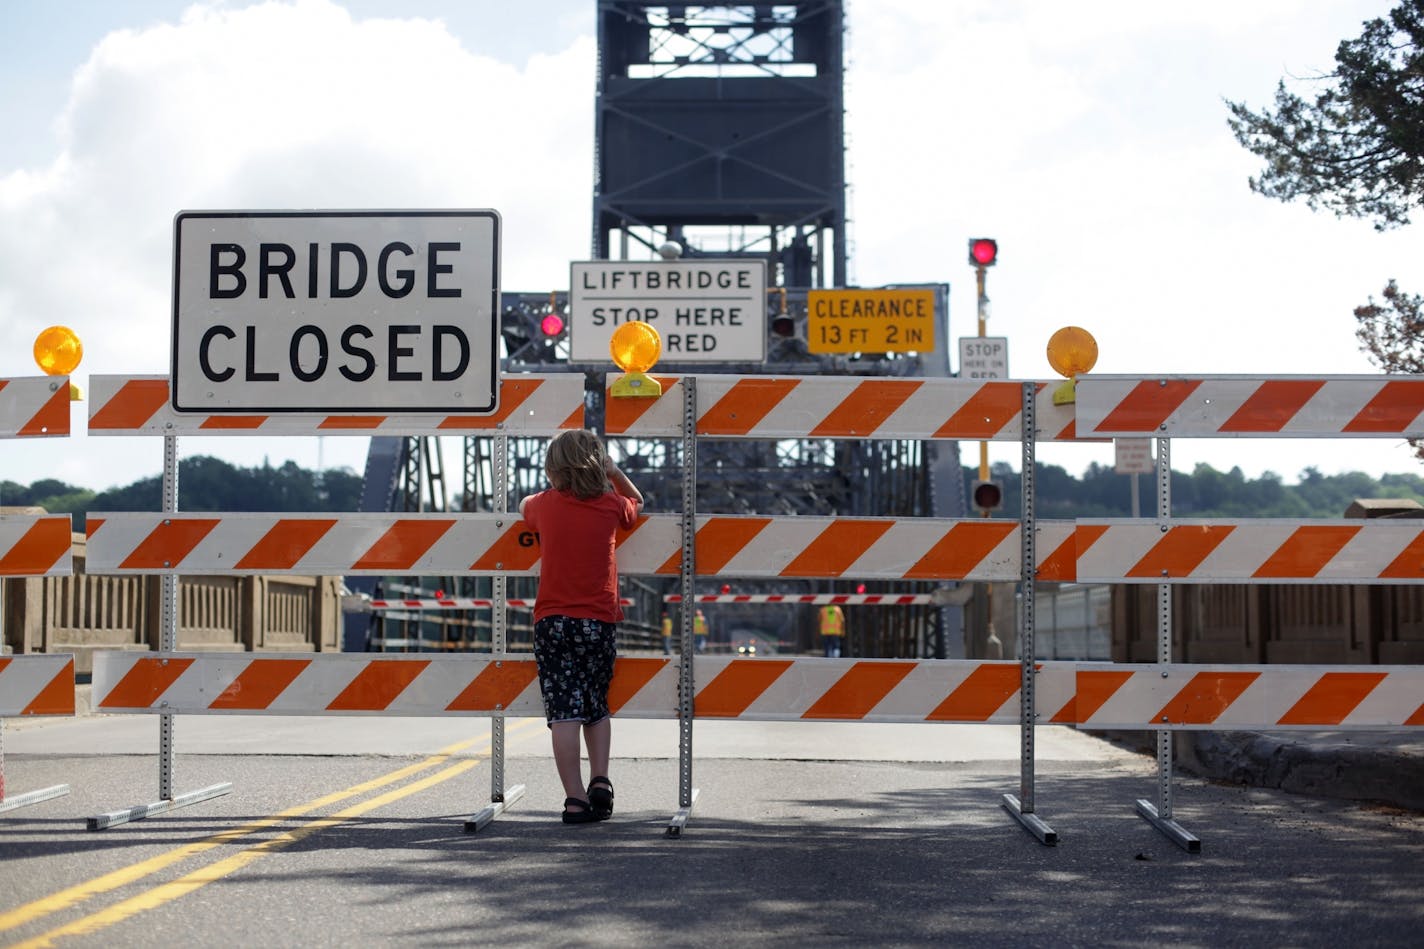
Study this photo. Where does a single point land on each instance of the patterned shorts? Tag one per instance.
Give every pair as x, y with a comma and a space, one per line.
575, 658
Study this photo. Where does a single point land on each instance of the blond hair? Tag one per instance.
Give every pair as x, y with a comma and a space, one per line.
574, 462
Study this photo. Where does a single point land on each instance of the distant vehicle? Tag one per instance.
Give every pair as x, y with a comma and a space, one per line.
751, 643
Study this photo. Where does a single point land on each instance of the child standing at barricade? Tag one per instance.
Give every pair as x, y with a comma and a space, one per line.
576, 609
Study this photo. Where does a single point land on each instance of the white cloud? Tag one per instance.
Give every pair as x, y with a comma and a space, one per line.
275, 105
1090, 139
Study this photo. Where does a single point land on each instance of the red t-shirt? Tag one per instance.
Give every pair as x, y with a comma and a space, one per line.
578, 571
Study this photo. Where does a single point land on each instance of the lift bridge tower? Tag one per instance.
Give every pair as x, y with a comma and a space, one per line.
719, 133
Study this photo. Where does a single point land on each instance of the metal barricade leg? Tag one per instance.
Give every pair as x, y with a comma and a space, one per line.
500, 799
686, 683
29, 797
1160, 816
168, 643
1022, 807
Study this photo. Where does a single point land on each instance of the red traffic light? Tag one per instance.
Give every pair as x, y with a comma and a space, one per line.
987, 495
551, 325
983, 252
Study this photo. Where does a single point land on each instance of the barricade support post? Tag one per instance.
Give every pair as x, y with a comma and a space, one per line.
168, 638
687, 653
1023, 807
1160, 816
500, 800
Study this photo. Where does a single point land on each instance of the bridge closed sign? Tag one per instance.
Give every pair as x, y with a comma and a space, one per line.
336, 311
705, 310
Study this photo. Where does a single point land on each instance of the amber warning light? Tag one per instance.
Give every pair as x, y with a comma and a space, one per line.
58, 352
635, 347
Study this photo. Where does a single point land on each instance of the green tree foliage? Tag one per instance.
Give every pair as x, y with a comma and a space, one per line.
1392, 335
209, 484
52, 495
1205, 492
1357, 147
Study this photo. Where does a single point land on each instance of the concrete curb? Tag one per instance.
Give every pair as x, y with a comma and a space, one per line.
1380, 767
1335, 765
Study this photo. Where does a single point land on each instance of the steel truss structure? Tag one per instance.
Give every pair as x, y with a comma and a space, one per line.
719, 127
719, 131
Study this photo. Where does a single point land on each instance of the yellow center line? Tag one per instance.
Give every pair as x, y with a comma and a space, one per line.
73, 895
202, 876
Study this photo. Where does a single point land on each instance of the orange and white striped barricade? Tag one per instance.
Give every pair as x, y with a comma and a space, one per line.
140, 405
1230, 406
33, 546
315, 684
34, 406
1263, 551
843, 407
1256, 550
818, 599
408, 608
36, 684
1268, 698
873, 690
474, 544
772, 689
33, 684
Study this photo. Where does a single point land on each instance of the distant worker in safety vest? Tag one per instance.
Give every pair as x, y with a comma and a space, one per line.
832, 630
667, 634
699, 631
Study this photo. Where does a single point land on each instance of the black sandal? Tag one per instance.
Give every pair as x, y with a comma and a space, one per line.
601, 797
584, 814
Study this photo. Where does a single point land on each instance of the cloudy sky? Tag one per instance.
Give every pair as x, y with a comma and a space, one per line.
1089, 138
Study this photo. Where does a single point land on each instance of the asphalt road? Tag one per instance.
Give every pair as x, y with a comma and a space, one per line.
349, 832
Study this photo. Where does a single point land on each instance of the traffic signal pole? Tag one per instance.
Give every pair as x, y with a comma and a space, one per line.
980, 278
980, 272
983, 254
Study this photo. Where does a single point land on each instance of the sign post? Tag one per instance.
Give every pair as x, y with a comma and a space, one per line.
336, 311
705, 310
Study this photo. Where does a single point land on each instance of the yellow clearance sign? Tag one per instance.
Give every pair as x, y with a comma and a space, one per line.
870, 321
